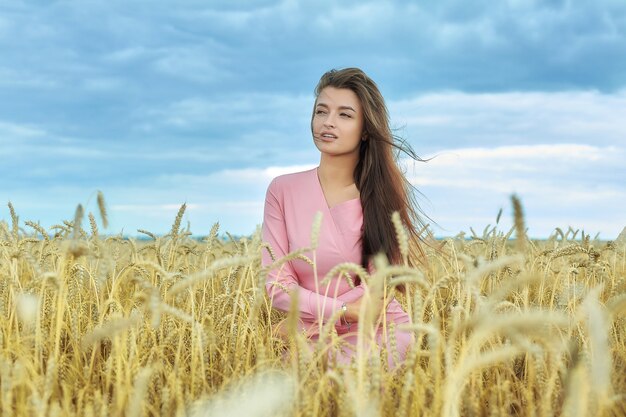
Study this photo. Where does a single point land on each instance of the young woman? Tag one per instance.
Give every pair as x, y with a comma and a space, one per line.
357, 186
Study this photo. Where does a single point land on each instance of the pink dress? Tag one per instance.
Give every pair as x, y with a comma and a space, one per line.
291, 204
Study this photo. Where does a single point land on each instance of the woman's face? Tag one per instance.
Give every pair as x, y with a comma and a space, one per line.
337, 122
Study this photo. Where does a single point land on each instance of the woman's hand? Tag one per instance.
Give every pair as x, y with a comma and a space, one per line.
353, 308
352, 311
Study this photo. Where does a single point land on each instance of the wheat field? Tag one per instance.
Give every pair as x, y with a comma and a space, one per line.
100, 325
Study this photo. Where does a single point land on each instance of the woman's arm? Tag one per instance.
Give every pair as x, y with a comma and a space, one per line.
311, 305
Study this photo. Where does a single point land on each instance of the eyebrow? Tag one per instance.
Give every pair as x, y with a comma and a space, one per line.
340, 107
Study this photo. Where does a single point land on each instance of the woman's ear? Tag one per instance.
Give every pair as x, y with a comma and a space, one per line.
364, 136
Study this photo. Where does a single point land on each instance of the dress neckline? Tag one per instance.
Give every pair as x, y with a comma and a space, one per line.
319, 184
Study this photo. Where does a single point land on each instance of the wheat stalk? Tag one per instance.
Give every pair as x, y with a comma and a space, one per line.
401, 236
109, 329
78, 218
103, 210
518, 220
315, 229
179, 217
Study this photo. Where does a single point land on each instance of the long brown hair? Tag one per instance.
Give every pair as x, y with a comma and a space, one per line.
382, 185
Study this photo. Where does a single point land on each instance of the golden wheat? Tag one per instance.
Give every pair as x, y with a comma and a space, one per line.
103, 325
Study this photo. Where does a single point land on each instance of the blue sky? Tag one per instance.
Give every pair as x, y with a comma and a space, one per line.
203, 102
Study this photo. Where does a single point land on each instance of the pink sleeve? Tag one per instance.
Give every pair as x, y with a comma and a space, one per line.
274, 230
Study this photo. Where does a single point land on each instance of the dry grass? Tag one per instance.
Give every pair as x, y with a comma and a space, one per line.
95, 326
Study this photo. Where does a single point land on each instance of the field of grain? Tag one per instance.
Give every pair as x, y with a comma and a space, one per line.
100, 325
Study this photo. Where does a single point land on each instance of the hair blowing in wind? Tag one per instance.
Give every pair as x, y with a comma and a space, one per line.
382, 185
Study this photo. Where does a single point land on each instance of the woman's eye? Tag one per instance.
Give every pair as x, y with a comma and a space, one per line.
345, 115
320, 112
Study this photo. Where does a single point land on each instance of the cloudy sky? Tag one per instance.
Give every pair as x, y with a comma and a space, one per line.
203, 102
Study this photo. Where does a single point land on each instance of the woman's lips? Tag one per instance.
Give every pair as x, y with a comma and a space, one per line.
327, 137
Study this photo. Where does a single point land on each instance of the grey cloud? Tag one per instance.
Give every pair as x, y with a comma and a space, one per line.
472, 46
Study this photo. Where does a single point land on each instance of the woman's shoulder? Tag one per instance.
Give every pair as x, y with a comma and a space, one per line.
292, 179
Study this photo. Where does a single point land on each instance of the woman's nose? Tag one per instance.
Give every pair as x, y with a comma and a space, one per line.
329, 121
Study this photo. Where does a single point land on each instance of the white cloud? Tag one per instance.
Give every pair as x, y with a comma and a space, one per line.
150, 207
25, 141
459, 195
126, 55
229, 179
462, 119
361, 17
233, 19
26, 78
237, 176
537, 169
104, 84
242, 110
11, 132
240, 17
450, 157
560, 185
203, 63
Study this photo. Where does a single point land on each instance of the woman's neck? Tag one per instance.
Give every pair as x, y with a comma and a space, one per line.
336, 171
